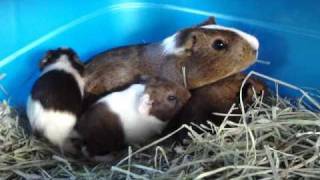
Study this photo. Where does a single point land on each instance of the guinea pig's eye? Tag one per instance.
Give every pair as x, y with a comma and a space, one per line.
172, 98
219, 45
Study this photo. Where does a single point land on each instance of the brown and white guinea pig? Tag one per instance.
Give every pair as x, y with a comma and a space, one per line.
56, 97
131, 116
208, 52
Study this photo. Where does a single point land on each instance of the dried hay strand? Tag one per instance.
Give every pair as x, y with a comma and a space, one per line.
276, 138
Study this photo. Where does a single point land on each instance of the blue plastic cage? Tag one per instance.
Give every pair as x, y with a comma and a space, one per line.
289, 33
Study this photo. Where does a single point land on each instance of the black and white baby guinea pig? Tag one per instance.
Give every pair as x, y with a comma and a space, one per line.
131, 116
56, 97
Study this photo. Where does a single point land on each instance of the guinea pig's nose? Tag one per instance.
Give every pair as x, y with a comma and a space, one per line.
149, 102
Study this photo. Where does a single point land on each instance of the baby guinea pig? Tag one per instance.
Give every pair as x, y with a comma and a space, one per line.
56, 97
218, 97
131, 116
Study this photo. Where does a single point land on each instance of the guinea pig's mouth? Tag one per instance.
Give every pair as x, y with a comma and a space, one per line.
250, 58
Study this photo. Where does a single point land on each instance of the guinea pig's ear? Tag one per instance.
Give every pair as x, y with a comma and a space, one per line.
72, 54
43, 62
209, 21
188, 40
183, 43
75, 57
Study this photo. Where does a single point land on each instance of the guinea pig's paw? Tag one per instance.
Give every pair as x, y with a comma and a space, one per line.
145, 104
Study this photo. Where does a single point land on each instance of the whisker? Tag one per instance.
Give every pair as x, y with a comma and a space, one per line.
263, 62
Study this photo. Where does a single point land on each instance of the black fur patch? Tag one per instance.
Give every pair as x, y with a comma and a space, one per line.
53, 55
58, 90
101, 130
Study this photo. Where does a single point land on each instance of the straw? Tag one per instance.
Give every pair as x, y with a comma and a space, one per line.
275, 138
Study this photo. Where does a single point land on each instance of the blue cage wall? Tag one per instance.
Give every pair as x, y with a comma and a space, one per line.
289, 33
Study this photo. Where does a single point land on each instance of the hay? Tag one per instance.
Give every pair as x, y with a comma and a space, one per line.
276, 138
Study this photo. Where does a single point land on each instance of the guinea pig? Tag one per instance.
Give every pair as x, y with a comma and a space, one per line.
208, 53
56, 97
208, 100
130, 116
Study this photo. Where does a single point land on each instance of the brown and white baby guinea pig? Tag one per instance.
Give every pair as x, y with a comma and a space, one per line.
56, 97
130, 116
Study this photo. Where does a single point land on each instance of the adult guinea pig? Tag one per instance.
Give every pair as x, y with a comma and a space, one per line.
208, 52
56, 97
130, 116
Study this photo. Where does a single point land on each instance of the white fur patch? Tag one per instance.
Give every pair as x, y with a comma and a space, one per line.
169, 45
145, 104
63, 64
55, 125
253, 41
137, 127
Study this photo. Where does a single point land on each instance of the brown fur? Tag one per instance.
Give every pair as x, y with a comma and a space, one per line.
205, 66
159, 91
114, 74
217, 97
210, 20
203, 63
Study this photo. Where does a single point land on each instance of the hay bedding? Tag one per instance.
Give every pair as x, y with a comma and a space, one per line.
275, 139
